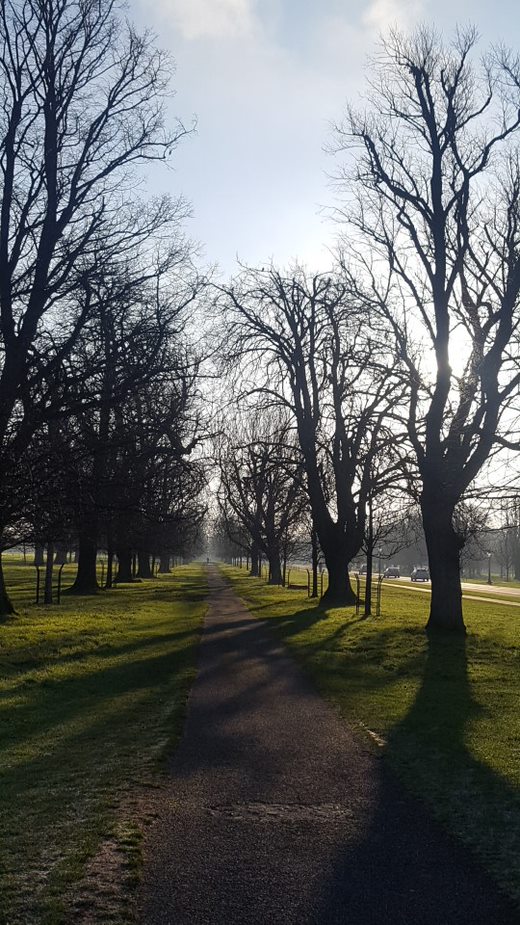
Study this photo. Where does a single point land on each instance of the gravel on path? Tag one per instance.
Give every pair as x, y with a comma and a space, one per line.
277, 814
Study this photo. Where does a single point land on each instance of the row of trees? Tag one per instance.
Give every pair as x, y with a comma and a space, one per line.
98, 383
395, 376
399, 372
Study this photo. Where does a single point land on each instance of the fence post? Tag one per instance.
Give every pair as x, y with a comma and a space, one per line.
321, 583
37, 584
358, 589
308, 582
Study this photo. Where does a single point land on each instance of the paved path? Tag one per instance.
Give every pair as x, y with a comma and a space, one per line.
277, 815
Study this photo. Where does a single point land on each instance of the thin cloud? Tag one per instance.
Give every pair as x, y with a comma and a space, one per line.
197, 19
381, 14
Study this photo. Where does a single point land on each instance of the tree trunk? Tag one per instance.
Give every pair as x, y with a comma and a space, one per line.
39, 558
275, 569
143, 559
516, 558
368, 579
444, 548
110, 568
314, 556
86, 577
370, 560
255, 566
61, 554
49, 566
124, 564
164, 564
6, 606
339, 592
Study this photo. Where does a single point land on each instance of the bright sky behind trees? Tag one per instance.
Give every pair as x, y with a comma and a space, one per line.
265, 78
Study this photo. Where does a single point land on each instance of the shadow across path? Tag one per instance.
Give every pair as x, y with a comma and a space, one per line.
276, 814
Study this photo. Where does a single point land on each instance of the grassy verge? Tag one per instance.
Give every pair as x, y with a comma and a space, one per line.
91, 694
298, 579
447, 710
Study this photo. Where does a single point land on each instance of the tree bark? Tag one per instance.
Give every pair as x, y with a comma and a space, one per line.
314, 556
39, 558
255, 561
86, 577
339, 592
444, 549
110, 568
370, 560
275, 569
143, 560
61, 554
124, 564
49, 566
368, 580
164, 564
6, 605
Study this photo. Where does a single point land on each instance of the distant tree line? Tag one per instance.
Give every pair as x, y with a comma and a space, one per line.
352, 400
99, 409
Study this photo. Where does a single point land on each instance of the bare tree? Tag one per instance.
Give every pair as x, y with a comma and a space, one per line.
81, 105
434, 220
306, 345
261, 486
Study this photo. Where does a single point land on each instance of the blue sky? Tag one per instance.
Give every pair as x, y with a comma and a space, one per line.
265, 79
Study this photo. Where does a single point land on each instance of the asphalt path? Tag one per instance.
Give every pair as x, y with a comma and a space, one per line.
276, 813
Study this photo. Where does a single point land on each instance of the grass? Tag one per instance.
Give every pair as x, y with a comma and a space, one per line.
446, 709
91, 695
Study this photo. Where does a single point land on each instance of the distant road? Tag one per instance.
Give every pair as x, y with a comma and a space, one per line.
490, 593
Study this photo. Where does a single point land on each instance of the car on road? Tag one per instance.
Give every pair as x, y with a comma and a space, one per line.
391, 572
420, 573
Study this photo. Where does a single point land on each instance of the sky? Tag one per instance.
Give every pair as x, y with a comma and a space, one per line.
266, 80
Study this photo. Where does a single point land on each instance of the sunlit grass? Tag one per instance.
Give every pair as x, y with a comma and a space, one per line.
447, 709
91, 693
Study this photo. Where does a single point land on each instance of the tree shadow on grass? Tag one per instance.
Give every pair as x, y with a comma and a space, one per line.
403, 867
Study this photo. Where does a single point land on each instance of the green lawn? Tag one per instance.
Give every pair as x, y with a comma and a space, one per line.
446, 710
91, 694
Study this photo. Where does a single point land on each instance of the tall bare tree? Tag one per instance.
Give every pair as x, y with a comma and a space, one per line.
81, 106
306, 345
434, 218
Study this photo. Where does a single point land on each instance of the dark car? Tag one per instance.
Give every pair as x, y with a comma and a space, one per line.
391, 572
420, 574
